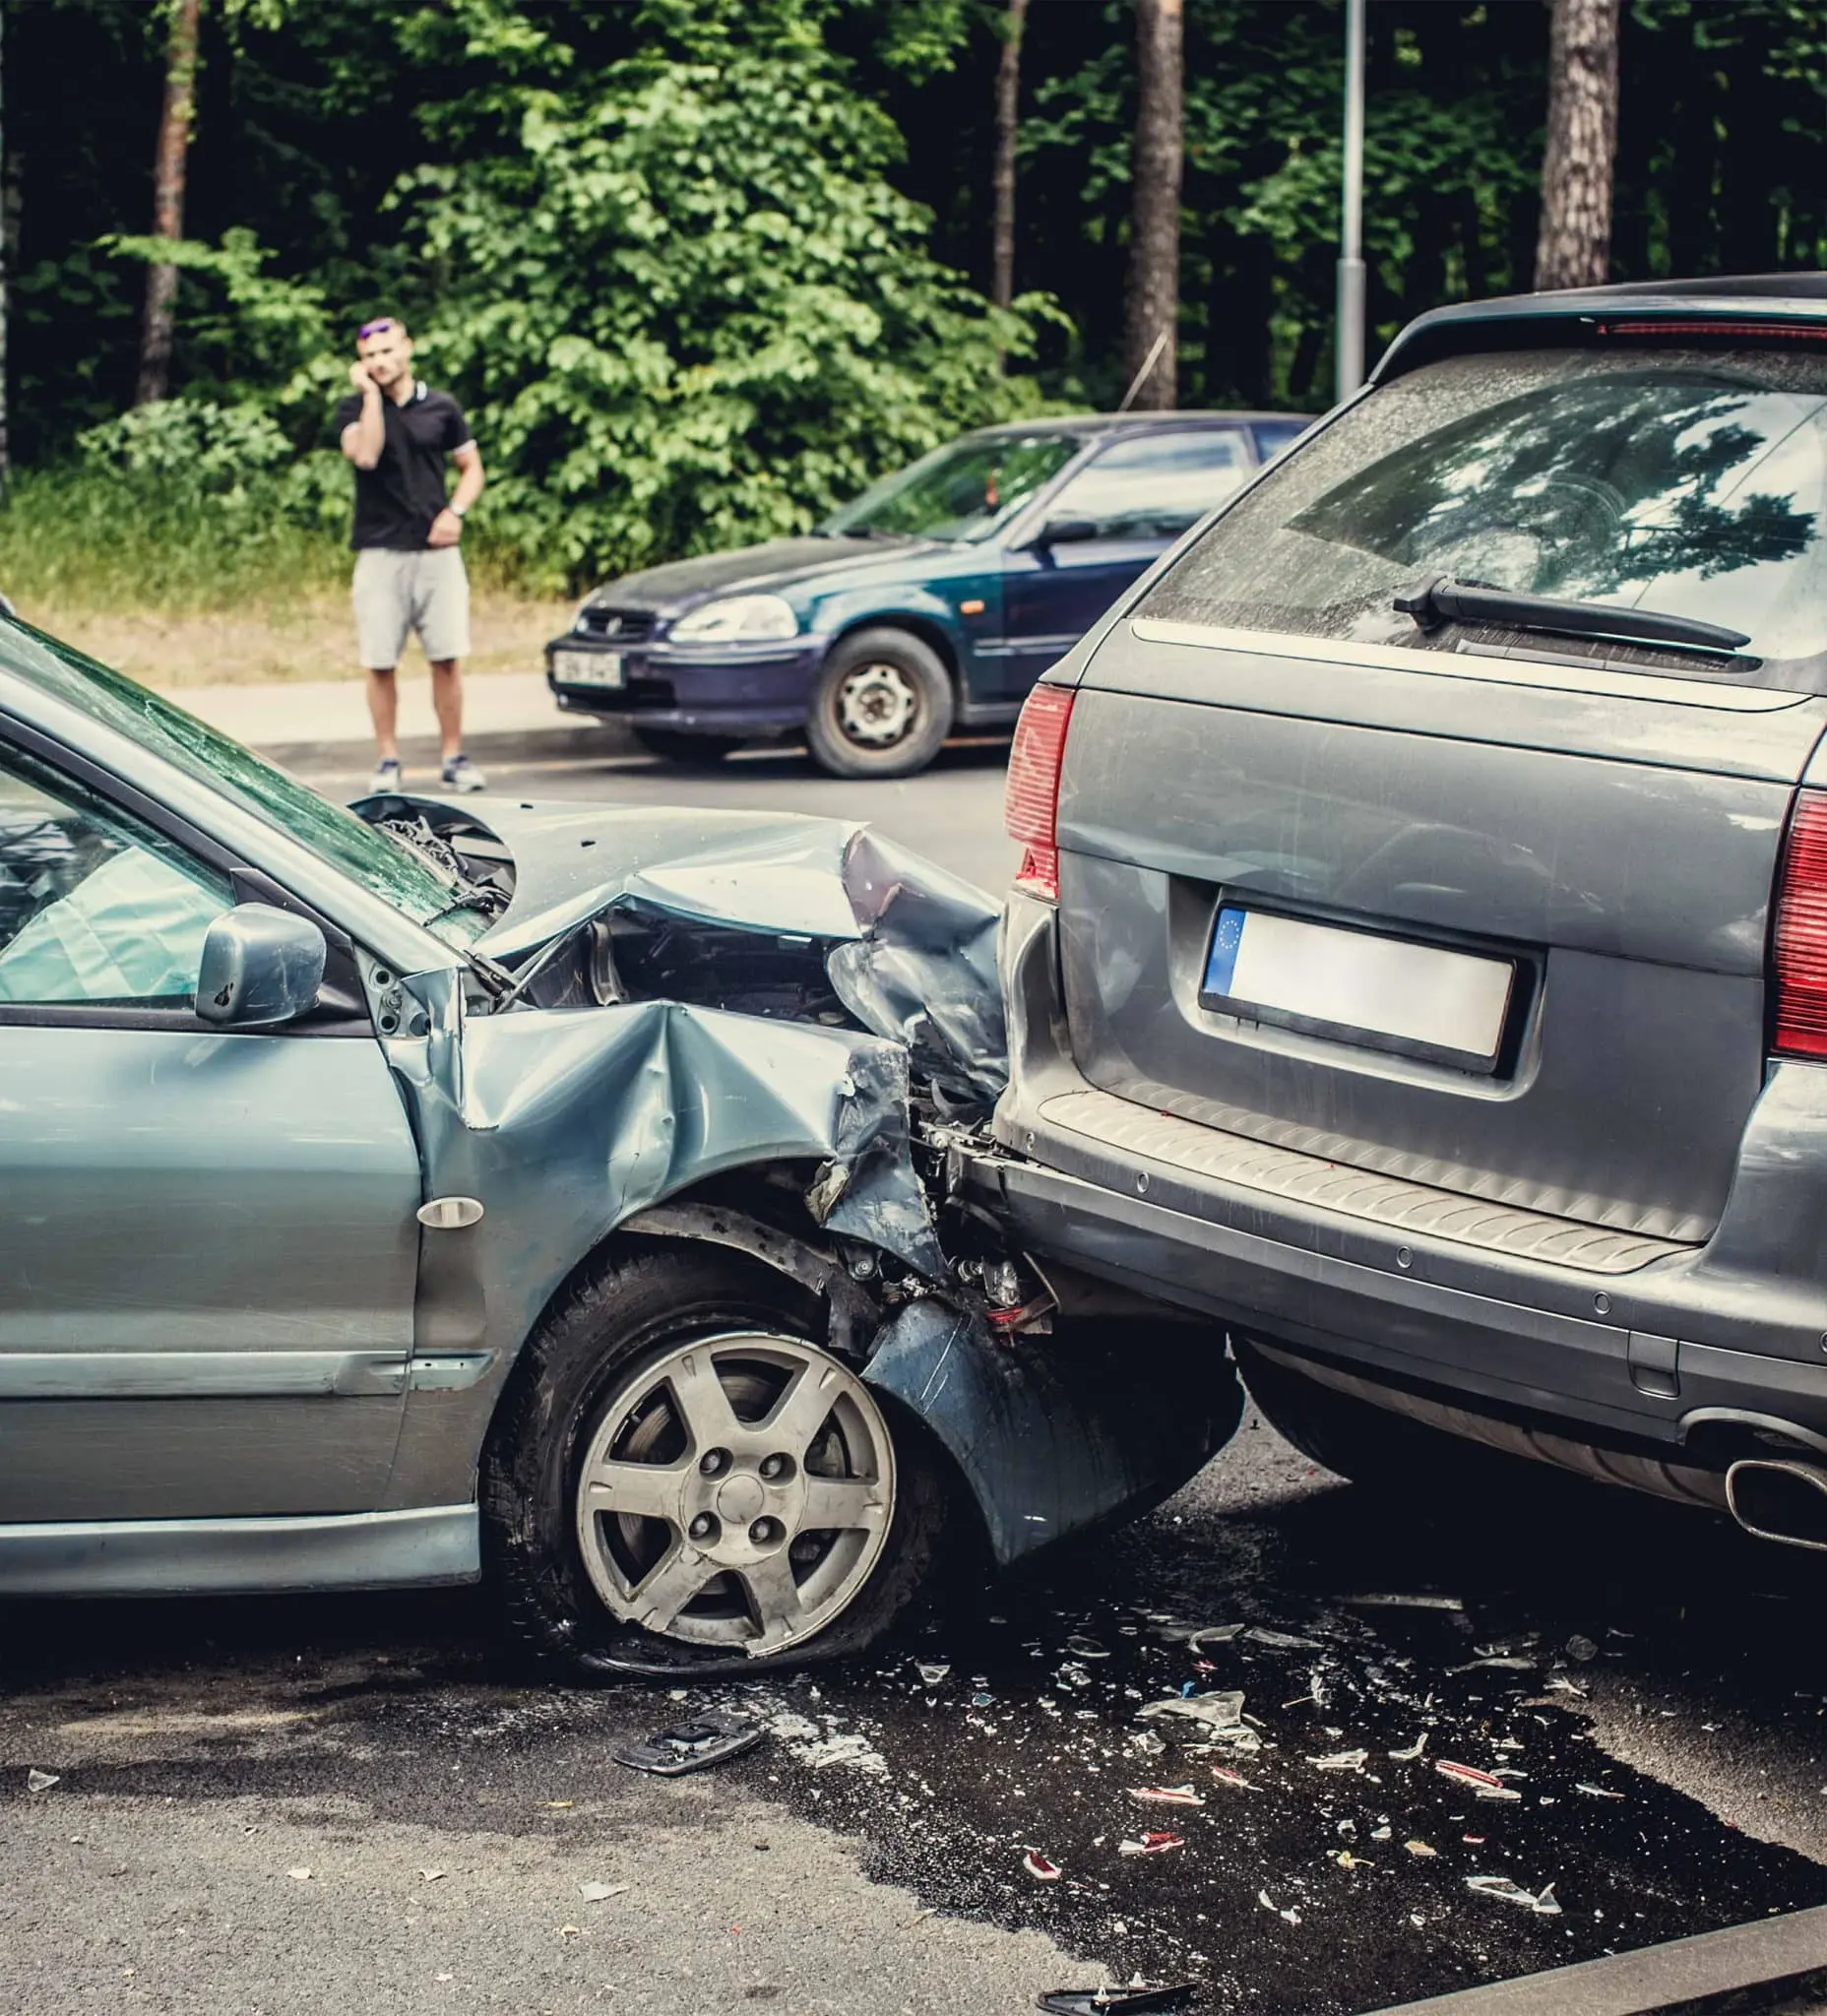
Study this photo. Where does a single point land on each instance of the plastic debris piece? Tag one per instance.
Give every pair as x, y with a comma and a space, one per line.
1598, 1791
1218, 1710
932, 1671
1158, 1998
1422, 1848
1342, 1760
1405, 1602
712, 1737
1505, 1891
1280, 1641
1469, 1774
1379, 1834
556, 1805
432, 1875
42, 1781
1581, 1648
1041, 1867
1166, 1795
1412, 1754
1152, 1843
1558, 1683
982, 1698
1082, 1647
1267, 1903
1510, 1663
570, 1931
1225, 1775
1473, 1839
299, 1875
1214, 1634
1503, 1791
1346, 1860
599, 1893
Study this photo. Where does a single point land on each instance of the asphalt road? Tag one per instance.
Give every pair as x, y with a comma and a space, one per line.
365, 1805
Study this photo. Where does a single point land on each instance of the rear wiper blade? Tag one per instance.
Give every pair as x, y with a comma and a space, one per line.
1444, 599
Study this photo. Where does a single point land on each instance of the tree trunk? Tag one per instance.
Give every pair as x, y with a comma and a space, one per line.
1156, 159
168, 197
1008, 128
1574, 248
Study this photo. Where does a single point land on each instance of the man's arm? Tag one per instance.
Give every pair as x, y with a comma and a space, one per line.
447, 527
365, 436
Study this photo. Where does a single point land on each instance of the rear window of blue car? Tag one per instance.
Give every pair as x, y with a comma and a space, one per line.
1692, 482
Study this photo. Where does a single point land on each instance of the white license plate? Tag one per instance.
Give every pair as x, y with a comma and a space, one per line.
1389, 992
588, 668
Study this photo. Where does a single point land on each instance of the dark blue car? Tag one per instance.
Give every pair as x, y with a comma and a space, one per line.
934, 600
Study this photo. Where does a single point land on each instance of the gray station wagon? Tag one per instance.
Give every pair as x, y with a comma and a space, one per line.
573, 1195
1420, 958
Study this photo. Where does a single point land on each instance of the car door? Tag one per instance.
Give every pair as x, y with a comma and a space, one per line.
208, 1244
1105, 523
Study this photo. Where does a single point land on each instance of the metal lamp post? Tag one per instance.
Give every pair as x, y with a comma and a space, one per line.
1349, 345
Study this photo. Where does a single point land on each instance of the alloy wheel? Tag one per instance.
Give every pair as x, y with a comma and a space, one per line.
737, 1492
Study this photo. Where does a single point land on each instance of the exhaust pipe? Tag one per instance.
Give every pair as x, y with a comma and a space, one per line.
1780, 1501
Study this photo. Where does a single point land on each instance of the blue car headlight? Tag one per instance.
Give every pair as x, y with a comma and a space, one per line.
747, 616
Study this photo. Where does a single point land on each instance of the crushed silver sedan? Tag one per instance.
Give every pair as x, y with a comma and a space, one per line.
598, 1201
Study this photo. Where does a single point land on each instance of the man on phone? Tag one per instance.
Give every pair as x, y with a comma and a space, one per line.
408, 567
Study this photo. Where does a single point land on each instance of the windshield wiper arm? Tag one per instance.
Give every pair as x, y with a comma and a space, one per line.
1444, 599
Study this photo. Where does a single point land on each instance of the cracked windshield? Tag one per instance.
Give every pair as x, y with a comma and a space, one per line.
912, 1008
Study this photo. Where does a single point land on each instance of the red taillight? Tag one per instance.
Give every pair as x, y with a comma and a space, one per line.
1032, 806
1801, 931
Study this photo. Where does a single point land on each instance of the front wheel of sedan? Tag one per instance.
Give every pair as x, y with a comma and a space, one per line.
883, 706
683, 1479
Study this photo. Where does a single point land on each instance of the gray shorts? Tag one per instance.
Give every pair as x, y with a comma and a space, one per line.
396, 593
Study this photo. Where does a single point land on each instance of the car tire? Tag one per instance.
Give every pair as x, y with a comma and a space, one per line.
1353, 1438
597, 1392
691, 752
883, 706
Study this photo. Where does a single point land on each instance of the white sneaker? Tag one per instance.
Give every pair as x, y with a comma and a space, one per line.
386, 776
461, 774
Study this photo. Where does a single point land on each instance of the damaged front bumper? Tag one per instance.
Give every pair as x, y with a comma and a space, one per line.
787, 1034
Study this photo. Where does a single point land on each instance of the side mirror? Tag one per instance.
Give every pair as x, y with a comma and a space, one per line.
1064, 532
261, 966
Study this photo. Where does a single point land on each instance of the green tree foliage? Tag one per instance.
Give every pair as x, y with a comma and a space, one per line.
700, 268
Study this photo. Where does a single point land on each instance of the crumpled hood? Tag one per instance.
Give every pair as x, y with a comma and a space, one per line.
772, 565
909, 950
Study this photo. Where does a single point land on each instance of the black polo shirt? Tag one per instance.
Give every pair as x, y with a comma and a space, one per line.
398, 498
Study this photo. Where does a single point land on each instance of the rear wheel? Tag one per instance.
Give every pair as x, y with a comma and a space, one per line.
883, 706
684, 1480
675, 745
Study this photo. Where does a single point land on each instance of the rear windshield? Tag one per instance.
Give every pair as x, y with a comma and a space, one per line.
1690, 483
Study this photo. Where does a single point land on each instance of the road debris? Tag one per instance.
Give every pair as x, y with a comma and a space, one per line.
932, 1671
1290, 1915
1420, 1848
1412, 1754
1280, 1641
1081, 1646
1505, 1891
1598, 1791
299, 1875
1217, 1711
712, 1737
1041, 1867
1346, 1860
432, 1875
1470, 1774
1405, 1602
1152, 1843
1581, 1648
1140, 1998
1225, 1775
1168, 1794
42, 1781
1342, 1760
600, 1893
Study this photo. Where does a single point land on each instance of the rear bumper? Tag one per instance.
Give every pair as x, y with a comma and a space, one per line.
735, 689
1655, 1355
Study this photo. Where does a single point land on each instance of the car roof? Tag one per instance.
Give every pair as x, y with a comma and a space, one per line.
1576, 315
1139, 423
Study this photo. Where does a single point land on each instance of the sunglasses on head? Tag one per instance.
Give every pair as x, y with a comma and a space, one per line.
369, 329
